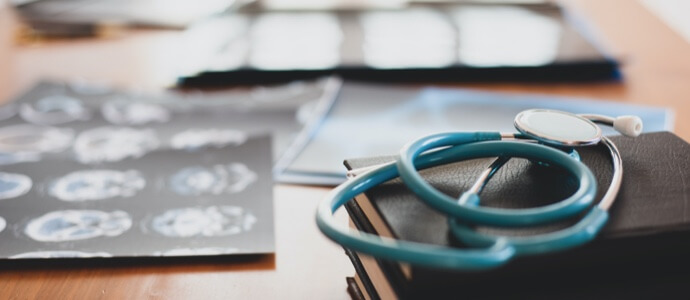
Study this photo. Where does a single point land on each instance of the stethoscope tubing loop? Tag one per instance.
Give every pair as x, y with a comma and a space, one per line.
584, 231
463, 147
465, 213
495, 251
436, 256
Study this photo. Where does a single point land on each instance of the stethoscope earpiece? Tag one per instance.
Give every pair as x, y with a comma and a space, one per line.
628, 125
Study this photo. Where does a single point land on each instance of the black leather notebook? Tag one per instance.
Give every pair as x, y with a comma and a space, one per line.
641, 252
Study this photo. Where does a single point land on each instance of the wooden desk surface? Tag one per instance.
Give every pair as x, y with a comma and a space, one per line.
306, 265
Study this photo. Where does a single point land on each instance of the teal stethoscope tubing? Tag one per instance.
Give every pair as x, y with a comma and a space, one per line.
572, 205
498, 250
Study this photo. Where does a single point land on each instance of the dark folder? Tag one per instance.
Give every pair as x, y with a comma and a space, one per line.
641, 251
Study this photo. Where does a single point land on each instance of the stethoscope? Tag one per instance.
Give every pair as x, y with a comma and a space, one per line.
546, 137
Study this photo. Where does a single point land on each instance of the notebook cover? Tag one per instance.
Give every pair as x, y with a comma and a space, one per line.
353, 289
359, 269
645, 236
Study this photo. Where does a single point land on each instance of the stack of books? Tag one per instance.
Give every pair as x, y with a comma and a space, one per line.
642, 251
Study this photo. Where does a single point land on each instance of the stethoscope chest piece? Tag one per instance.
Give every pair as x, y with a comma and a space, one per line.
557, 128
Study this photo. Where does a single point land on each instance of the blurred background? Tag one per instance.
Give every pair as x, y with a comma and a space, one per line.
328, 80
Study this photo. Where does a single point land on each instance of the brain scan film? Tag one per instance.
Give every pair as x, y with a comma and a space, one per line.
7, 111
203, 222
53, 110
26, 142
13, 185
198, 138
88, 87
60, 254
134, 113
97, 185
198, 180
72, 225
109, 144
196, 251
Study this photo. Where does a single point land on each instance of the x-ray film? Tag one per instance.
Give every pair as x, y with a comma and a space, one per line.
72, 225
88, 172
215, 201
13, 185
89, 185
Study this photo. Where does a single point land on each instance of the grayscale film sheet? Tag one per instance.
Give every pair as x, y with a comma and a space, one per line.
91, 172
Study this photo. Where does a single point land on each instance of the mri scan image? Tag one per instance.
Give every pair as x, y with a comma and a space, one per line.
97, 185
14, 185
134, 113
88, 87
26, 142
196, 251
72, 225
210, 221
7, 111
278, 93
60, 254
215, 180
109, 144
53, 110
91, 172
192, 139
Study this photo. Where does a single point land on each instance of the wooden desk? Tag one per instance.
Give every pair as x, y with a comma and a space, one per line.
306, 265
